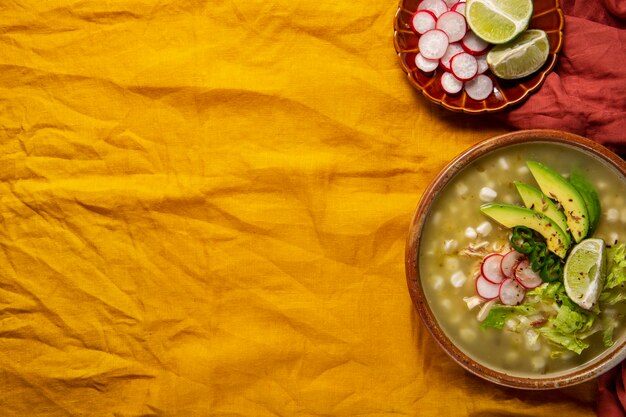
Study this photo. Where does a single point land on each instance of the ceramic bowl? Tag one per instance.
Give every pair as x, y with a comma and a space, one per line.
432, 320
547, 15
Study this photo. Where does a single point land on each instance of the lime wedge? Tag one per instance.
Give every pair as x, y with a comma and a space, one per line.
584, 272
521, 57
498, 21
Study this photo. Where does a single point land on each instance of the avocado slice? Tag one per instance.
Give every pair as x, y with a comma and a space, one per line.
510, 215
555, 186
590, 195
538, 201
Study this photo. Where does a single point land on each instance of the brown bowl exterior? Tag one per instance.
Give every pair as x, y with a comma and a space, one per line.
583, 373
547, 15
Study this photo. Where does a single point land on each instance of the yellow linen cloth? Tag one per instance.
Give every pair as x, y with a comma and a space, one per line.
204, 207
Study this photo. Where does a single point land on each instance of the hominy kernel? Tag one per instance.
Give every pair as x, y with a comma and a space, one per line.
487, 194
612, 215
484, 228
458, 279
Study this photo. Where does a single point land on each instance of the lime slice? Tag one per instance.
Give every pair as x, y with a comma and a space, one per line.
521, 57
498, 21
584, 271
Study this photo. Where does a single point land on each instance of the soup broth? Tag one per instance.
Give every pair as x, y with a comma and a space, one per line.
455, 222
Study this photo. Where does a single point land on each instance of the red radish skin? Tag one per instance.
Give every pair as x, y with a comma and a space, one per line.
511, 292
479, 88
433, 44
451, 84
459, 7
473, 44
487, 290
464, 66
438, 7
453, 23
423, 21
525, 275
453, 49
510, 261
425, 64
490, 268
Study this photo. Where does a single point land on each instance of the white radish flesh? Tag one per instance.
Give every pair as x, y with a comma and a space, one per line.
433, 44
464, 66
473, 44
453, 23
490, 268
525, 275
453, 49
425, 64
450, 83
482, 64
423, 21
509, 262
479, 88
437, 7
511, 292
487, 290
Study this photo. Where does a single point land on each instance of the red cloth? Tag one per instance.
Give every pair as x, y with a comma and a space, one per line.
586, 94
611, 400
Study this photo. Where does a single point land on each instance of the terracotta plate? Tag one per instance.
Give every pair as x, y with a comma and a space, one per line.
547, 15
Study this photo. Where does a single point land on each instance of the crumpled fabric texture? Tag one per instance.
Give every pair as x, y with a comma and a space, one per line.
203, 211
611, 399
586, 93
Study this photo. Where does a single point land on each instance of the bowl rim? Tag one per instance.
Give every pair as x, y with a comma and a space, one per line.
448, 172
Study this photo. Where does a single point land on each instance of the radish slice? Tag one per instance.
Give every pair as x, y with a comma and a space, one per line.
487, 290
479, 88
450, 3
423, 21
433, 44
459, 8
453, 23
509, 262
425, 64
473, 44
482, 64
453, 49
525, 275
490, 268
511, 292
450, 83
464, 66
438, 7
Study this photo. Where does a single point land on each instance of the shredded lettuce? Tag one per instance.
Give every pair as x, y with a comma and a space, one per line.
565, 324
568, 321
609, 325
614, 290
617, 266
499, 314
567, 341
550, 312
